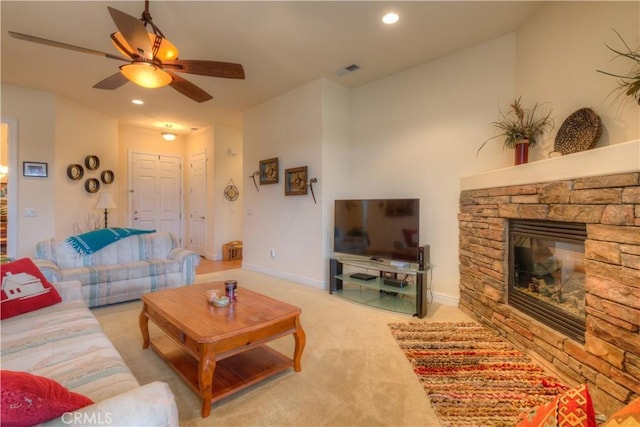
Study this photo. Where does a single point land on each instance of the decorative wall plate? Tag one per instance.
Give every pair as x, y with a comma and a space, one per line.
75, 172
231, 192
92, 162
107, 177
580, 131
92, 185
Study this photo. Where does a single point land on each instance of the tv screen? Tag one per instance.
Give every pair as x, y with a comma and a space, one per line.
383, 228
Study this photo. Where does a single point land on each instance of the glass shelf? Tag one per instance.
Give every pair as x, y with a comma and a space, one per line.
385, 265
377, 299
377, 284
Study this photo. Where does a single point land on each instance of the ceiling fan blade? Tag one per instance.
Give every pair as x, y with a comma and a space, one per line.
112, 82
226, 70
133, 31
48, 42
188, 89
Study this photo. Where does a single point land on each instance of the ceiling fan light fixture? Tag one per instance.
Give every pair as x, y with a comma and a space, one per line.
145, 75
167, 51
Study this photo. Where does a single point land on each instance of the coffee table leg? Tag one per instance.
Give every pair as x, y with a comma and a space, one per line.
301, 340
143, 321
206, 368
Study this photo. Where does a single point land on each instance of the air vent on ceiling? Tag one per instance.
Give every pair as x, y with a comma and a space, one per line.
347, 70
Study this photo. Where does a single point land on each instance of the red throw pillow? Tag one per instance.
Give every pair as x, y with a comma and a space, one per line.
24, 288
627, 416
573, 408
29, 399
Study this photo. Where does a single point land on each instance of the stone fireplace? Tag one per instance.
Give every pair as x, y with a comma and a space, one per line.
603, 202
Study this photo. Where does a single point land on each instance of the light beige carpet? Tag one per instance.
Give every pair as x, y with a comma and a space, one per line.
353, 372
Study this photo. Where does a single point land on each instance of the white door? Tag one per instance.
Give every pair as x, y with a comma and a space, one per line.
197, 203
156, 189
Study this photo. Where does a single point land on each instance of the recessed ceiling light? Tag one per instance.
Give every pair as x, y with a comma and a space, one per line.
137, 101
390, 18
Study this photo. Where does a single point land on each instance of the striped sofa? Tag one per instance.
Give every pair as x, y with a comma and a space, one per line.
64, 342
123, 270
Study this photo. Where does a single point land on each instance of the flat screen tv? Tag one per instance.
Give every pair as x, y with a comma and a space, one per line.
377, 228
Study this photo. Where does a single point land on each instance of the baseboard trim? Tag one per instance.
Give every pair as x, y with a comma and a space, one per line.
446, 300
285, 276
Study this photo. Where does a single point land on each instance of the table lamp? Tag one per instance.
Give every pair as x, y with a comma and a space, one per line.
105, 201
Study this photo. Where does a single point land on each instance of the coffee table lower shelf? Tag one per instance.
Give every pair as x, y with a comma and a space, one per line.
232, 374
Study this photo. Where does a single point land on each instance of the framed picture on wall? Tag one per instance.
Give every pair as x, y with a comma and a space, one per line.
35, 169
269, 171
295, 181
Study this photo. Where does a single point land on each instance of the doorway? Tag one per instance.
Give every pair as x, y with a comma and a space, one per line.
156, 193
8, 187
197, 203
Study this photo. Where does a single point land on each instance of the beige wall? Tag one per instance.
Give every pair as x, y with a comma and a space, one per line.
227, 218
81, 132
559, 50
415, 134
289, 127
35, 114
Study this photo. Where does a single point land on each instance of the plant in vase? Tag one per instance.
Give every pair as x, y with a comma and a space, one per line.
628, 85
521, 128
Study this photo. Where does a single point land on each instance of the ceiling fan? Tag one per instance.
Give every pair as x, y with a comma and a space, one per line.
152, 59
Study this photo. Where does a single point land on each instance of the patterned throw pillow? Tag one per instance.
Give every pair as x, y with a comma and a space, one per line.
629, 416
28, 399
570, 409
24, 289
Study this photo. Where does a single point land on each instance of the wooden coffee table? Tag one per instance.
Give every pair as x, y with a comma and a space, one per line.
220, 350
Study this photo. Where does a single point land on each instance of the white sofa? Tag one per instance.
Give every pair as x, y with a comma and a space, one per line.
122, 271
64, 342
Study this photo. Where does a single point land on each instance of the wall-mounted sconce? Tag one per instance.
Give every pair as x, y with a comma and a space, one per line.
253, 177
311, 182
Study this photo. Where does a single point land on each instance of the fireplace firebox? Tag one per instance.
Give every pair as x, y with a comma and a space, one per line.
546, 273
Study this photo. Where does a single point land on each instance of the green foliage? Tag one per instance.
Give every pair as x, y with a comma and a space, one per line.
628, 85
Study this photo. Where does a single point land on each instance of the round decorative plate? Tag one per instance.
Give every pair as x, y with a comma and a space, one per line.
107, 177
92, 162
580, 131
92, 185
231, 192
75, 172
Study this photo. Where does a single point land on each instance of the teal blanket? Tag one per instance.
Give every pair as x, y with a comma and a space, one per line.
93, 241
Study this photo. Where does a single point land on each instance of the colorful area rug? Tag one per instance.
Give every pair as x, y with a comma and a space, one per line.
472, 376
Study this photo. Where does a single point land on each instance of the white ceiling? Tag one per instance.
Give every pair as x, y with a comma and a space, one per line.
282, 45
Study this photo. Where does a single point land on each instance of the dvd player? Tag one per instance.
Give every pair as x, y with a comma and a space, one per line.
362, 276
395, 282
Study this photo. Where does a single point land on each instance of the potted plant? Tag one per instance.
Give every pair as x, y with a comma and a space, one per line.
520, 128
628, 85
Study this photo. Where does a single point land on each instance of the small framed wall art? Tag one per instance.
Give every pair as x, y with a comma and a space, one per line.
269, 171
295, 181
35, 169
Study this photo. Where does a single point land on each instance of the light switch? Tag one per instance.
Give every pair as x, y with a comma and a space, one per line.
30, 212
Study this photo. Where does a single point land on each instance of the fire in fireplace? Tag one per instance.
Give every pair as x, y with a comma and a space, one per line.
546, 273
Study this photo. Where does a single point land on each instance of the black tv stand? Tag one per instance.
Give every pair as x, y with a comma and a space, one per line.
410, 298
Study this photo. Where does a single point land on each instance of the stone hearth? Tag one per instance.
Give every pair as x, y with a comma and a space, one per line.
609, 359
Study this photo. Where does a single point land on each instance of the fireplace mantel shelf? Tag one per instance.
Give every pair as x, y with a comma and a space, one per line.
608, 160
